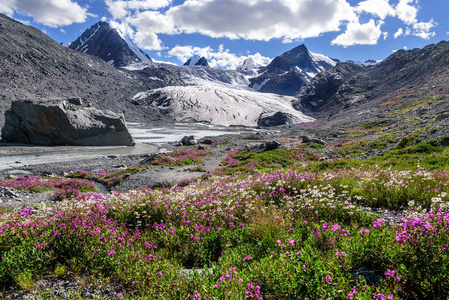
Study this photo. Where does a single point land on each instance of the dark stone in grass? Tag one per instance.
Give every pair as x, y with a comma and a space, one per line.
442, 117
318, 141
271, 145
306, 139
367, 274
208, 141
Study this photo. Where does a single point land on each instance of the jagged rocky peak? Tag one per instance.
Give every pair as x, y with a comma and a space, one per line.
288, 73
110, 45
303, 59
197, 61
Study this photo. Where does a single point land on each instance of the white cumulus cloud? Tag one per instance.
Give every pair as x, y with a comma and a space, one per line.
399, 33
362, 34
122, 8
264, 20
148, 40
381, 8
423, 29
261, 19
407, 12
154, 21
52, 13
220, 57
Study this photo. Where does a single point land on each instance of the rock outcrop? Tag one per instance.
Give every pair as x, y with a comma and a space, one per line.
66, 122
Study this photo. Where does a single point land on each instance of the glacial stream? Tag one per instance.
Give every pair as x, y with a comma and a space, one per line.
148, 140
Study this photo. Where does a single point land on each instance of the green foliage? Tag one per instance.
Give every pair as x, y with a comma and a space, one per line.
278, 224
60, 272
26, 280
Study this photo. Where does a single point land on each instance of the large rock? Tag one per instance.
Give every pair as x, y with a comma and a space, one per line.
66, 122
276, 119
189, 140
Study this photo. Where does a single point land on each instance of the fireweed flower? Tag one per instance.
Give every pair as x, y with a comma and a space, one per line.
390, 273
378, 223
247, 258
352, 294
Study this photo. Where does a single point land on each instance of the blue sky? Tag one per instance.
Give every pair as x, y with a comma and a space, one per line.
228, 31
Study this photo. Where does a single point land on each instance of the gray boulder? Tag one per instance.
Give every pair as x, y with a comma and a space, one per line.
271, 145
276, 119
63, 122
189, 140
306, 139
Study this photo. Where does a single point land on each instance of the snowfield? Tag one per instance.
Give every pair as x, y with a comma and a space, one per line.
218, 105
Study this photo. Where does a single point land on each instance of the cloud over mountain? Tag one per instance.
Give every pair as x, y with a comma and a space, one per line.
220, 57
260, 19
52, 13
264, 20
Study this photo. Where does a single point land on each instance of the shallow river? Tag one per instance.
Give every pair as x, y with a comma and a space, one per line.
148, 140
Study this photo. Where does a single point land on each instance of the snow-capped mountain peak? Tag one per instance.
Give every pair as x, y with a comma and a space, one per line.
197, 61
193, 60
288, 73
109, 44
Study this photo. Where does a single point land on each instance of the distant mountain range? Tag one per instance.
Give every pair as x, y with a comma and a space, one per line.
287, 74
125, 80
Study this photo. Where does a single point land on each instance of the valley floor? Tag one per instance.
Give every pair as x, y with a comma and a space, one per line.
322, 213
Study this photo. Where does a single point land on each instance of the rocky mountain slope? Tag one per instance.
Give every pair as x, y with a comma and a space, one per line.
110, 45
289, 73
406, 82
32, 65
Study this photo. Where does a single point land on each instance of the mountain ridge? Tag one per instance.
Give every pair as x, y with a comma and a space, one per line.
109, 44
32, 65
407, 82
